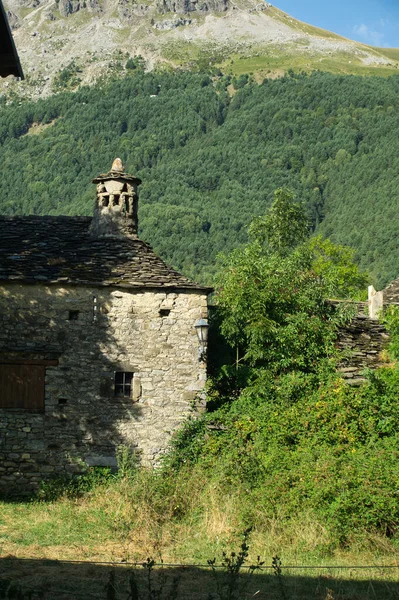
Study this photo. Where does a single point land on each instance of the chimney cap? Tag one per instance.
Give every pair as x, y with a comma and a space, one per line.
117, 165
117, 172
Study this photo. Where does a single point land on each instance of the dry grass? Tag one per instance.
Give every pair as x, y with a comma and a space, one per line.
189, 521
195, 522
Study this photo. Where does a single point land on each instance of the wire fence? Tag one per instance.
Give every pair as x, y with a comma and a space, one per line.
194, 565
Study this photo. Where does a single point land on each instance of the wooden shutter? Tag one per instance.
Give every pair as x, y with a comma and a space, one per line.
22, 386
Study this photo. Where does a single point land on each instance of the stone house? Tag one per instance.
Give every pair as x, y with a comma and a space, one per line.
98, 346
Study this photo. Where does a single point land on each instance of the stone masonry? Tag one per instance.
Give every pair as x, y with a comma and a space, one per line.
363, 341
83, 422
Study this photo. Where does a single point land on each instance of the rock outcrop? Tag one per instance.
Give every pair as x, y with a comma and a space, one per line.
186, 6
171, 24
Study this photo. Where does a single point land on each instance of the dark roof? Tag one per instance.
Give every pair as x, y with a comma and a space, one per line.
9, 61
61, 250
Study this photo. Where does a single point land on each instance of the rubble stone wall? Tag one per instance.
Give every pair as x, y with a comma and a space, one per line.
149, 333
363, 341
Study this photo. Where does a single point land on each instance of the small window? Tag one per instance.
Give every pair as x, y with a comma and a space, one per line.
22, 386
164, 312
123, 384
73, 315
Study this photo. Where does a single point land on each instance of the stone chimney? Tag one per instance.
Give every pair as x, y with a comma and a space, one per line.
115, 210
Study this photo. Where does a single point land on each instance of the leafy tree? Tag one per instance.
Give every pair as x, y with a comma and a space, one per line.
273, 292
284, 226
292, 436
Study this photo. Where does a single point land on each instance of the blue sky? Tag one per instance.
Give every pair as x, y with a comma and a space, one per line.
374, 22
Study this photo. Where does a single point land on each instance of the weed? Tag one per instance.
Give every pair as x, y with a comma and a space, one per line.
276, 564
230, 582
149, 566
127, 460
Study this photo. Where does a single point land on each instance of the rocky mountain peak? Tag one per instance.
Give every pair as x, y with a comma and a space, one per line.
65, 43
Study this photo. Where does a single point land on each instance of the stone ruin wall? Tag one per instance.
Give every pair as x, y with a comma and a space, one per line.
363, 341
150, 333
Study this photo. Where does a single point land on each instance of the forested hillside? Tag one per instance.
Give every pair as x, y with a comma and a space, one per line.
210, 152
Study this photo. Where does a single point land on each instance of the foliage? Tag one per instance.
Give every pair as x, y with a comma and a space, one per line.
63, 486
135, 62
391, 321
295, 436
284, 226
128, 461
273, 292
335, 266
67, 78
298, 445
54, 488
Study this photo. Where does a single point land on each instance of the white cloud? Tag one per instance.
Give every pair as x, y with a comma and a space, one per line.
369, 35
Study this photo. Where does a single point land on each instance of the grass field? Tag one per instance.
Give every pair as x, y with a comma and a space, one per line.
130, 521
266, 65
273, 61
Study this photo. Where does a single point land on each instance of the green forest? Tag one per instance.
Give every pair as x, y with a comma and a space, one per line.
211, 150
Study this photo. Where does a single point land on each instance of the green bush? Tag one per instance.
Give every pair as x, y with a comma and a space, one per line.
54, 488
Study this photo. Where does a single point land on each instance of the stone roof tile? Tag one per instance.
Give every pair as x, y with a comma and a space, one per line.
60, 249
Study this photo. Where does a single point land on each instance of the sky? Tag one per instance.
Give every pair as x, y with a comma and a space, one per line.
374, 22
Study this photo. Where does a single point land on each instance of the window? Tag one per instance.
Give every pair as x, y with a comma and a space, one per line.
123, 384
73, 315
22, 386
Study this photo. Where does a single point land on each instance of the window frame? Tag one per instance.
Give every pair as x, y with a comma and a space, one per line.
124, 381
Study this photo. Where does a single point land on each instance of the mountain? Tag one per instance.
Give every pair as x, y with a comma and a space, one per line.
81, 41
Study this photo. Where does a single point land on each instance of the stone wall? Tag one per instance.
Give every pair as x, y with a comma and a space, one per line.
93, 332
363, 341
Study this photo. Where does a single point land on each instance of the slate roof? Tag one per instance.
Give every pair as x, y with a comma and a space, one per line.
60, 250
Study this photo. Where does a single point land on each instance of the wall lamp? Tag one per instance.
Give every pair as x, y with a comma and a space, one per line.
201, 327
